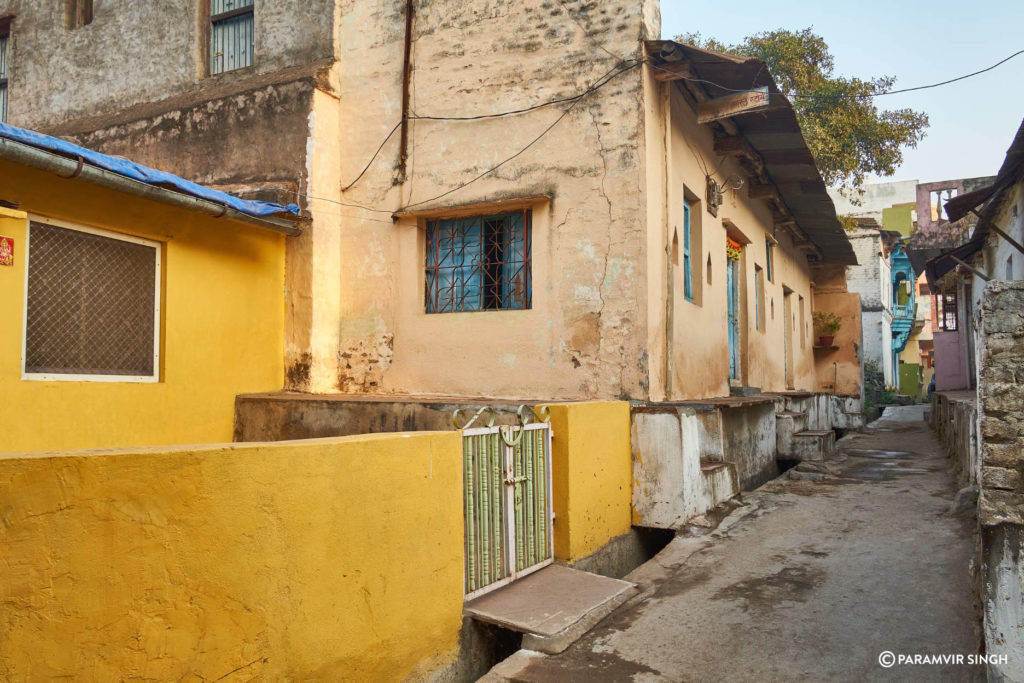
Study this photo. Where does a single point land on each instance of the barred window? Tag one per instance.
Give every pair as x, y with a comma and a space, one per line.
232, 27
479, 263
948, 313
92, 305
5, 41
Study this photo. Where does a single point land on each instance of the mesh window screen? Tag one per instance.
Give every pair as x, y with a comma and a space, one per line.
91, 304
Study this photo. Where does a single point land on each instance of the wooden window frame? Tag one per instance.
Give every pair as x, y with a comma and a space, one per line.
687, 256
759, 299
5, 32
209, 20
77, 13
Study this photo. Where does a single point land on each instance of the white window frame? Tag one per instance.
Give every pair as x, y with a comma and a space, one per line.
158, 269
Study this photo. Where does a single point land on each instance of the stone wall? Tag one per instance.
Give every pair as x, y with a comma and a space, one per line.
1001, 507
1001, 403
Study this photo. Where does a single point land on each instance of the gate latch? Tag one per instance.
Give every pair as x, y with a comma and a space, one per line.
510, 480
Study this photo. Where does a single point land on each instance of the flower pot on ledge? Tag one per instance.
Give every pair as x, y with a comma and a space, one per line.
826, 340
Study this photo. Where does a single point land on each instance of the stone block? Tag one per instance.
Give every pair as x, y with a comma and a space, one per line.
1000, 507
1001, 478
997, 430
1003, 454
1003, 398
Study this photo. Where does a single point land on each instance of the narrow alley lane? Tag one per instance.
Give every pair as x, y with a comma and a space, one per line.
811, 579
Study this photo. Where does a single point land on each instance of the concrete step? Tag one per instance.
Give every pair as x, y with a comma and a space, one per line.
813, 445
553, 607
787, 424
720, 482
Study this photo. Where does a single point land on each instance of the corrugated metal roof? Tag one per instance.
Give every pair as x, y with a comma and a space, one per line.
774, 134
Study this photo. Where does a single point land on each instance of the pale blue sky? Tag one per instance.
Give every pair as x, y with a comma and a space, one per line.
972, 122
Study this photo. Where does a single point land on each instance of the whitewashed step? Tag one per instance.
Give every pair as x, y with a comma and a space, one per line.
814, 444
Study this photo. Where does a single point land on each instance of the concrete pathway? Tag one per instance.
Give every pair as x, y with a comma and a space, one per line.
812, 579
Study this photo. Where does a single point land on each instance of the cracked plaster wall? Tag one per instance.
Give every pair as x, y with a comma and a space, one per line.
585, 334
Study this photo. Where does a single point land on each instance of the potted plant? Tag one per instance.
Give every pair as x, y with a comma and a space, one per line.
826, 324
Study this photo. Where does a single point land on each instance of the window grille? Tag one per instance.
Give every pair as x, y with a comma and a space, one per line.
479, 263
91, 306
948, 319
232, 25
5, 39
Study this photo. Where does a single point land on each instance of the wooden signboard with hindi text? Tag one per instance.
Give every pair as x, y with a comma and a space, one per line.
730, 105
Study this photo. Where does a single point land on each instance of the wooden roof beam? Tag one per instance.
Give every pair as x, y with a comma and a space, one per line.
672, 71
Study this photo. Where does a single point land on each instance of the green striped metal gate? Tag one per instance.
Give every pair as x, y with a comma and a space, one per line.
507, 487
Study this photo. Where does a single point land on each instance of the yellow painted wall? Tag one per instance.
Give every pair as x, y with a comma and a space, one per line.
329, 559
592, 476
222, 324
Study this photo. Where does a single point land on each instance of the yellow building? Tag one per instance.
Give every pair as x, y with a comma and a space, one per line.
133, 313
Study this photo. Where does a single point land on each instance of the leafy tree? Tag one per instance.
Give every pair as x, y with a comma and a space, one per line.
848, 135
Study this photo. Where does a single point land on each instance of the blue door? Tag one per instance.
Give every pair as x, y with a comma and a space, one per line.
731, 279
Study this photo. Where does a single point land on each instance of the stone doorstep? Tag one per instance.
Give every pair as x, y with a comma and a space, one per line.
553, 607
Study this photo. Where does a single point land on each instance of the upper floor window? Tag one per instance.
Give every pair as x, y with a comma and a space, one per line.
479, 263
5, 41
92, 305
231, 35
769, 269
77, 13
947, 312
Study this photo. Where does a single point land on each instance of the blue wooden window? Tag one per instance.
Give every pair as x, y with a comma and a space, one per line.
687, 279
231, 35
479, 263
768, 260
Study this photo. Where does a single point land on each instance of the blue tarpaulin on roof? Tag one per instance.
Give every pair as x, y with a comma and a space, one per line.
143, 174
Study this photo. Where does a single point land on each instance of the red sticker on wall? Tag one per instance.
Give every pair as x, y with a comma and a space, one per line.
6, 251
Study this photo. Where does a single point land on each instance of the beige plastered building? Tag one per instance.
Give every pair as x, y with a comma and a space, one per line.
391, 122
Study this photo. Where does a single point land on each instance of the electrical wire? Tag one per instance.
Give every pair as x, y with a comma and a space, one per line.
476, 117
575, 99
562, 100
953, 80
604, 80
851, 97
370, 162
600, 84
